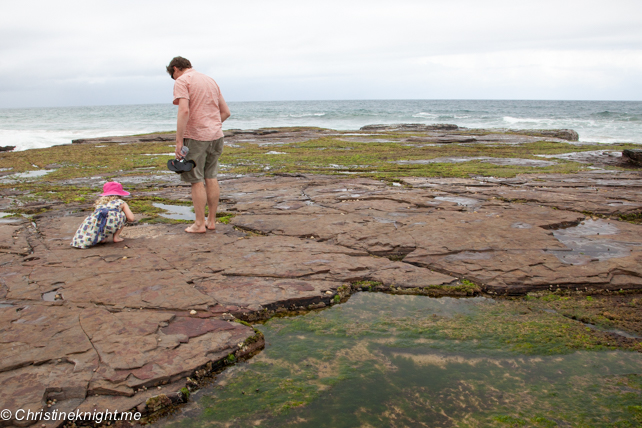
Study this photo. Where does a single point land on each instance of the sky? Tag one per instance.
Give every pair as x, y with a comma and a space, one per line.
75, 53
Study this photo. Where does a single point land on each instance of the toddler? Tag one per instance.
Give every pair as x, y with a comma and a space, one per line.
109, 216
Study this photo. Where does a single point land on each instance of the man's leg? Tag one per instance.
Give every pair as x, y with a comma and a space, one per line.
199, 198
213, 193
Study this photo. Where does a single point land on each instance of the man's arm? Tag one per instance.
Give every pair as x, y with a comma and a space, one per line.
181, 123
224, 109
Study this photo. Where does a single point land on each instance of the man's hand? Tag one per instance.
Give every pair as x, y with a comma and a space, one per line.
179, 147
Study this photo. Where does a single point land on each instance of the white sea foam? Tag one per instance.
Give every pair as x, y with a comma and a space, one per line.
306, 115
513, 120
25, 139
595, 121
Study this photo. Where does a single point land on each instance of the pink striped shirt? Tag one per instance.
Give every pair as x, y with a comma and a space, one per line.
204, 123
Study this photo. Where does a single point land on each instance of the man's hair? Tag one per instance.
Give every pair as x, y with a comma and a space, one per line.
178, 62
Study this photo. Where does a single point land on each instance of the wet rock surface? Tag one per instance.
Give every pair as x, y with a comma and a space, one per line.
634, 156
105, 327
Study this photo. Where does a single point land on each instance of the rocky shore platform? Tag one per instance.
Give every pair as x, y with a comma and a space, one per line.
139, 324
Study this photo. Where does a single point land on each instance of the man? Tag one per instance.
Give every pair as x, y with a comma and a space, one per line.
201, 113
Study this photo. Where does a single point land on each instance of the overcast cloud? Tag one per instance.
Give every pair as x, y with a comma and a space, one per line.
65, 53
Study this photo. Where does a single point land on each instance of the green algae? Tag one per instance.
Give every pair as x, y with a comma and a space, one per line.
185, 392
86, 160
382, 360
607, 311
329, 155
459, 288
224, 217
326, 155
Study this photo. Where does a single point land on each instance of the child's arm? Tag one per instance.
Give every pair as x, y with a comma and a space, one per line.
127, 211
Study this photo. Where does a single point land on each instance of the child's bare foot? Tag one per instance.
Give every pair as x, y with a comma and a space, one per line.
117, 237
211, 225
196, 229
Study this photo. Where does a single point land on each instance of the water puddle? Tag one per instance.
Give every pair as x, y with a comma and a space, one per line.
461, 201
176, 212
584, 156
470, 255
583, 249
4, 220
272, 152
6, 305
366, 140
519, 162
382, 360
158, 154
52, 296
26, 175
439, 160
495, 161
335, 166
10, 220
623, 203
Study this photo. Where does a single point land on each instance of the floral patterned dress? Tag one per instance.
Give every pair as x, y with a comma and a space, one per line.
106, 220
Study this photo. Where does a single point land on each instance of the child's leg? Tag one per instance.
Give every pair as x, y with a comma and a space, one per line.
117, 237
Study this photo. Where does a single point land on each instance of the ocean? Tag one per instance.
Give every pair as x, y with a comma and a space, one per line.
595, 121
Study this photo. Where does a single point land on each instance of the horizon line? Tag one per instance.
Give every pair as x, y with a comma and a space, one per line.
334, 100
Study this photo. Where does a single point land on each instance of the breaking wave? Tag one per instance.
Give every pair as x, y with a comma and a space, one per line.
595, 121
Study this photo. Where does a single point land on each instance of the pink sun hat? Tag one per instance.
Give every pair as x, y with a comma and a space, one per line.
113, 188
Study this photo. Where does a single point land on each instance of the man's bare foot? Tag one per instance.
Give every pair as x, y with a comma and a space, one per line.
118, 239
196, 229
211, 225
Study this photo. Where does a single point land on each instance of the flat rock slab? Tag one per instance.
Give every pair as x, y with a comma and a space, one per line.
431, 134
103, 327
70, 352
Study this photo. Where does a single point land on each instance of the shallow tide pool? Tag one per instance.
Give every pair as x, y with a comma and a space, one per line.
383, 360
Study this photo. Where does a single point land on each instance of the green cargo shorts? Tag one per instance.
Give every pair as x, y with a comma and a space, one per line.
205, 154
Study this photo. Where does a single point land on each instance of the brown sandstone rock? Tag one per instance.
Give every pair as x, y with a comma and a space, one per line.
125, 309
